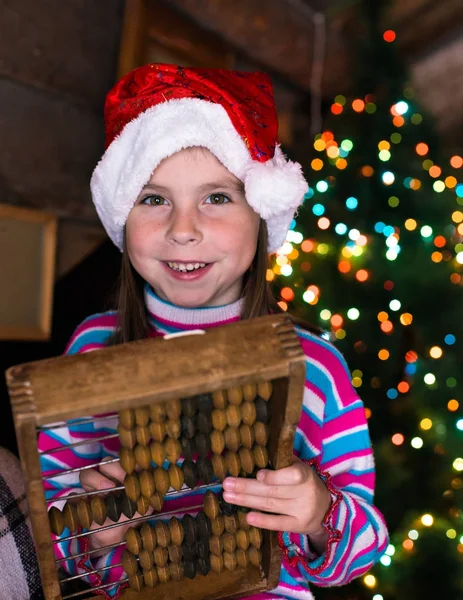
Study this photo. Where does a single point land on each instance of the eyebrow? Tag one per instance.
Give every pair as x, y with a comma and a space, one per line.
231, 184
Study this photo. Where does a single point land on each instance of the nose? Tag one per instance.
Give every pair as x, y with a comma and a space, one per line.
184, 227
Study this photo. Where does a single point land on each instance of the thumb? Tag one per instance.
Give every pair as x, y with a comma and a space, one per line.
93, 480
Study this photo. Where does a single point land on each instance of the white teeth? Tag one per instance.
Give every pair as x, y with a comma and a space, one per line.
184, 267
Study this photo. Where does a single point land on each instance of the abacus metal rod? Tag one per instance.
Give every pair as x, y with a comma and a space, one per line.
74, 556
82, 494
74, 577
81, 443
72, 423
78, 469
94, 589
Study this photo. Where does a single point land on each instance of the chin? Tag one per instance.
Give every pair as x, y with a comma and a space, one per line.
190, 300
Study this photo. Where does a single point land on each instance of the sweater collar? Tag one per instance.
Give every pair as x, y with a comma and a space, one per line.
168, 318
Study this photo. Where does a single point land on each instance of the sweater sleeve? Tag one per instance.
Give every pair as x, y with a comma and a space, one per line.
357, 534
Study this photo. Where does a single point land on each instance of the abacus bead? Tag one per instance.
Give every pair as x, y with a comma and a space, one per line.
247, 435
247, 460
56, 519
158, 453
127, 437
158, 431
205, 470
136, 582
203, 565
231, 523
217, 441
127, 460
202, 548
162, 533
204, 422
173, 450
146, 559
85, 513
262, 410
232, 438
161, 556
127, 418
216, 545
260, 456
233, 413
229, 560
255, 556
176, 531
218, 525
142, 416
203, 444
147, 486
261, 433
188, 427
148, 537
175, 553
242, 520
219, 466
143, 504
190, 530
188, 447
188, 551
150, 577
157, 501
219, 419
71, 519
189, 406
143, 435
126, 506
211, 505
142, 456
132, 486
243, 539
176, 477
255, 537
158, 412
233, 463
248, 413
112, 509
265, 389
249, 392
205, 403
98, 509
216, 563
173, 429
229, 542
174, 409
189, 569
241, 558
176, 571
190, 473
161, 480
163, 574
235, 395
129, 563
204, 525
227, 508
133, 541
219, 399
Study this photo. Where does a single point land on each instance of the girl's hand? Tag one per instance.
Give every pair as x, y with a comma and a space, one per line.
93, 480
297, 497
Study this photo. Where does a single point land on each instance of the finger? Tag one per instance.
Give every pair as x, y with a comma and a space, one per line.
258, 488
113, 471
273, 522
263, 503
296, 474
92, 480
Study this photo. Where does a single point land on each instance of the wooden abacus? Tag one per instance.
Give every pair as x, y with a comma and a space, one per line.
227, 402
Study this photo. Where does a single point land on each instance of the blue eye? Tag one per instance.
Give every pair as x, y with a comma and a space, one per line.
218, 199
154, 201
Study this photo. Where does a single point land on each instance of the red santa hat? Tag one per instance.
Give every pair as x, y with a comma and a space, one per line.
158, 110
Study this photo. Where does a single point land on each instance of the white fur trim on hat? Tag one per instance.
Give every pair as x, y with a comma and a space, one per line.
274, 189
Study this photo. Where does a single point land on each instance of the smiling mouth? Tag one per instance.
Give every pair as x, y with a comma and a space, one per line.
186, 267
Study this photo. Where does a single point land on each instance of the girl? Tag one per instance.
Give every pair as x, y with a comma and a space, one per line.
195, 192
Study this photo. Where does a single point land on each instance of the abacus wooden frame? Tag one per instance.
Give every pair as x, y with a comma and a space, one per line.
157, 370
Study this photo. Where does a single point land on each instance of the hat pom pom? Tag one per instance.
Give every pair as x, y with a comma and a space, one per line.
274, 187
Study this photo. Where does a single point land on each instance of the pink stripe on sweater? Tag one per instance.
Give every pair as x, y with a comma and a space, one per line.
345, 421
347, 456
175, 325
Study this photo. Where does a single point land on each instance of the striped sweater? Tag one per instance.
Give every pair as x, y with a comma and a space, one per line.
332, 435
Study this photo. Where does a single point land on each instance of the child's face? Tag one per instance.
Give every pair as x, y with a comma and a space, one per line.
193, 212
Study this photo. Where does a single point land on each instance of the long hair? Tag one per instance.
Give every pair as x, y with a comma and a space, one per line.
259, 300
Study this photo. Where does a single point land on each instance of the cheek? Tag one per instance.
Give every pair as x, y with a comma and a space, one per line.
141, 235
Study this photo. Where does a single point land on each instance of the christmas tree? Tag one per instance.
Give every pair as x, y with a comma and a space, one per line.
375, 258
